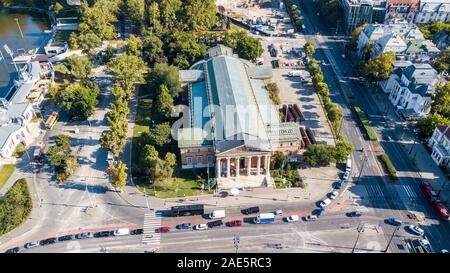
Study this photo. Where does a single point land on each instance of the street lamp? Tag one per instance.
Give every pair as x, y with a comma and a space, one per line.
360, 229
236, 241
390, 240
362, 167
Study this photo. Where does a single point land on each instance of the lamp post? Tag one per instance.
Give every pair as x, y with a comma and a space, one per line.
390, 240
236, 241
359, 229
17, 21
362, 167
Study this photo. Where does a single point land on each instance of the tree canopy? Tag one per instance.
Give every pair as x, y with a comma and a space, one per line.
78, 100
380, 68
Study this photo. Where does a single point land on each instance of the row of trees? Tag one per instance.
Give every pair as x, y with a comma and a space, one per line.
323, 155
297, 19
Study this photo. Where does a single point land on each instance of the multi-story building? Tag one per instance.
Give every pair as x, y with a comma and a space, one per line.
359, 12
410, 89
430, 10
405, 9
440, 145
231, 122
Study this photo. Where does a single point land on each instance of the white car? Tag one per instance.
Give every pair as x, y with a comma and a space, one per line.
201, 227
121, 232
278, 212
32, 244
416, 230
346, 175
325, 202
292, 218
310, 218
333, 195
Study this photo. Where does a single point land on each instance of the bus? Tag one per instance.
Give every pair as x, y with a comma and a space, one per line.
187, 210
51, 121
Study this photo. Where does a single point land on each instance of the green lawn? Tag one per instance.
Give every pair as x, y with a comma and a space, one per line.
389, 166
185, 185
15, 207
5, 173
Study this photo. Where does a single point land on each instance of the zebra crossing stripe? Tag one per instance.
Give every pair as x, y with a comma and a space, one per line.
152, 221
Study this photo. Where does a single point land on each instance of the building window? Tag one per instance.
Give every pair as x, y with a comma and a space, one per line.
210, 159
199, 159
189, 160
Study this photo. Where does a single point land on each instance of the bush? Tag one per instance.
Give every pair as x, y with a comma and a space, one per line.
365, 122
15, 207
19, 150
390, 167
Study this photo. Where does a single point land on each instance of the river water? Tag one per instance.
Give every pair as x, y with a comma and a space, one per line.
33, 27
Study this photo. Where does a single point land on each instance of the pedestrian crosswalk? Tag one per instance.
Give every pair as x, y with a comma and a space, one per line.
152, 221
410, 191
374, 191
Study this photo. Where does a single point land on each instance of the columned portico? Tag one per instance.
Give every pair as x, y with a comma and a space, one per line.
258, 166
237, 161
262, 166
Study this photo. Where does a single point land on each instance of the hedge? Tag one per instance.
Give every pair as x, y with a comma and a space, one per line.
15, 207
390, 167
365, 122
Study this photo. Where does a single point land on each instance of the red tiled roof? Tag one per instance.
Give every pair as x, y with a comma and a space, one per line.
403, 2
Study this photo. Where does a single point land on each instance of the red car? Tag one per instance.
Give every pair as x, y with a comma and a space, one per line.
441, 210
427, 190
235, 223
163, 229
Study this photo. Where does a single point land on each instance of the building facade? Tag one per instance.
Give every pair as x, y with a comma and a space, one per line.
440, 145
231, 122
359, 12
405, 9
430, 10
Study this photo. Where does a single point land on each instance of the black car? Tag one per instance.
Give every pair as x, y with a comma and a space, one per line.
319, 212
394, 222
48, 241
354, 214
65, 238
216, 223
102, 234
250, 210
13, 250
137, 231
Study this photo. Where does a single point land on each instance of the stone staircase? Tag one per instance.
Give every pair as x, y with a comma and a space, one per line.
261, 181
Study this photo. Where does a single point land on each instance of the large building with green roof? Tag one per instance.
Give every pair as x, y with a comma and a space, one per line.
232, 123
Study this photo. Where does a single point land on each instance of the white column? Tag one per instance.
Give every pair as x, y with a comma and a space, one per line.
249, 163
267, 158
258, 166
237, 166
218, 167
228, 167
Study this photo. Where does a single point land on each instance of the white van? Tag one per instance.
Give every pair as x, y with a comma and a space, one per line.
294, 73
121, 232
348, 166
217, 214
110, 158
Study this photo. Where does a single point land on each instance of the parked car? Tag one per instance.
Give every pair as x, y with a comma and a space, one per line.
200, 227
387, 138
278, 212
184, 226
346, 175
416, 230
250, 210
310, 218
137, 231
121, 232
339, 184
48, 241
319, 212
216, 223
32, 244
163, 229
292, 218
325, 202
333, 195
235, 223
394, 222
65, 238
102, 234
354, 214
84, 235
13, 250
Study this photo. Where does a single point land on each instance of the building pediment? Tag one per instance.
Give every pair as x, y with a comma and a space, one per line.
242, 150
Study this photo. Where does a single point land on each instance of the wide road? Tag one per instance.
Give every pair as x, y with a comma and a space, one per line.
394, 197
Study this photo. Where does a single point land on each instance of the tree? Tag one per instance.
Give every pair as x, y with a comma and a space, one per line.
342, 150
136, 12
153, 17
309, 49
60, 158
57, 8
88, 41
118, 174
442, 61
153, 49
127, 69
246, 46
200, 15
164, 101
322, 89
78, 101
160, 135
427, 124
318, 155
355, 35
168, 14
441, 100
133, 46
148, 161
73, 41
380, 68
168, 75
334, 113
100, 18
79, 66
278, 159
183, 49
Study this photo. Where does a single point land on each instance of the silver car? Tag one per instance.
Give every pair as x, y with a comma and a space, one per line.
32, 244
416, 230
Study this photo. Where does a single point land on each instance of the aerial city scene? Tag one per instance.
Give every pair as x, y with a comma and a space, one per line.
224, 126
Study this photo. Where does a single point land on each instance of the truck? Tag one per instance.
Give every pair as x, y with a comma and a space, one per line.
264, 218
217, 214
